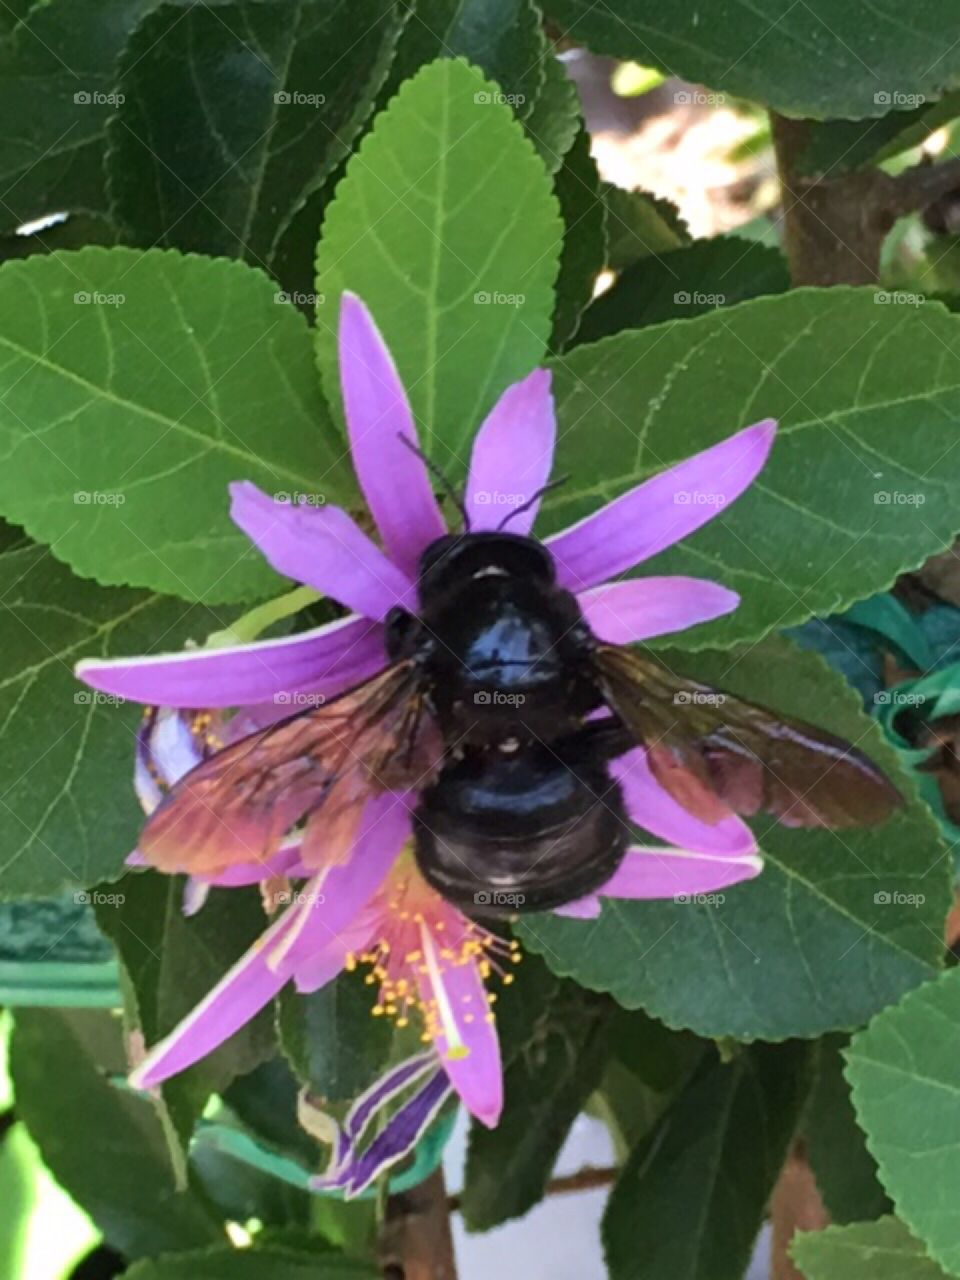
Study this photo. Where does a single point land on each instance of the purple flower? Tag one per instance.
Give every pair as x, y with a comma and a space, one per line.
368, 904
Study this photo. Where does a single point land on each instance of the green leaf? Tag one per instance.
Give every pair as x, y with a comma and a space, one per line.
233, 115
135, 387
554, 1041
172, 962
837, 146
846, 1173
554, 122
273, 1262
101, 1140
69, 815
56, 95
446, 226
904, 1071
814, 59
882, 1250
821, 940
691, 1198
333, 1042
640, 224
585, 242
697, 280
862, 480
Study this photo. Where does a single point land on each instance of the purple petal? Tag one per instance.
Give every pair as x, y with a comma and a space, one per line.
236, 998
398, 1138
325, 660
512, 456
285, 862
390, 1085
323, 547
195, 894
468, 1045
660, 511
639, 608
587, 908
394, 480
656, 811
677, 873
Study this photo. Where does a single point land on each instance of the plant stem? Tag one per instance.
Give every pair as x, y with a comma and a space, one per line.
416, 1242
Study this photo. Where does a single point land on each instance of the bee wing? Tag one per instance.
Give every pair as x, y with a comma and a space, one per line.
714, 752
237, 806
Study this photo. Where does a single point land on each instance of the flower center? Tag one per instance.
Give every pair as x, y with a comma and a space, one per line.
422, 941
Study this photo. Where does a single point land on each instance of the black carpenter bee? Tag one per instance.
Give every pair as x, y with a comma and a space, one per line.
502, 711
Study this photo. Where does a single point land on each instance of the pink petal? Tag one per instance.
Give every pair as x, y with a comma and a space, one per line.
474, 1068
285, 862
640, 608
587, 908
656, 811
512, 456
394, 480
236, 998
677, 873
324, 660
660, 511
323, 547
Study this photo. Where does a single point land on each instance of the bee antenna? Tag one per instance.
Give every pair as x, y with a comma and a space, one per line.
435, 470
552, 484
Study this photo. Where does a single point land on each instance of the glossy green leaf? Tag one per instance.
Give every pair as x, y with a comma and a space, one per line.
57, 92
818, 59
234, 114
833, 147
102, 1141
862, 481
445, 224
331, 1038
135, 387
845, 1171
904, 1070
691, 1198
837, 926
172, 962
679, 285
69, 816
554, 1040
640, 224
585, 242
553, 123
881, 1250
